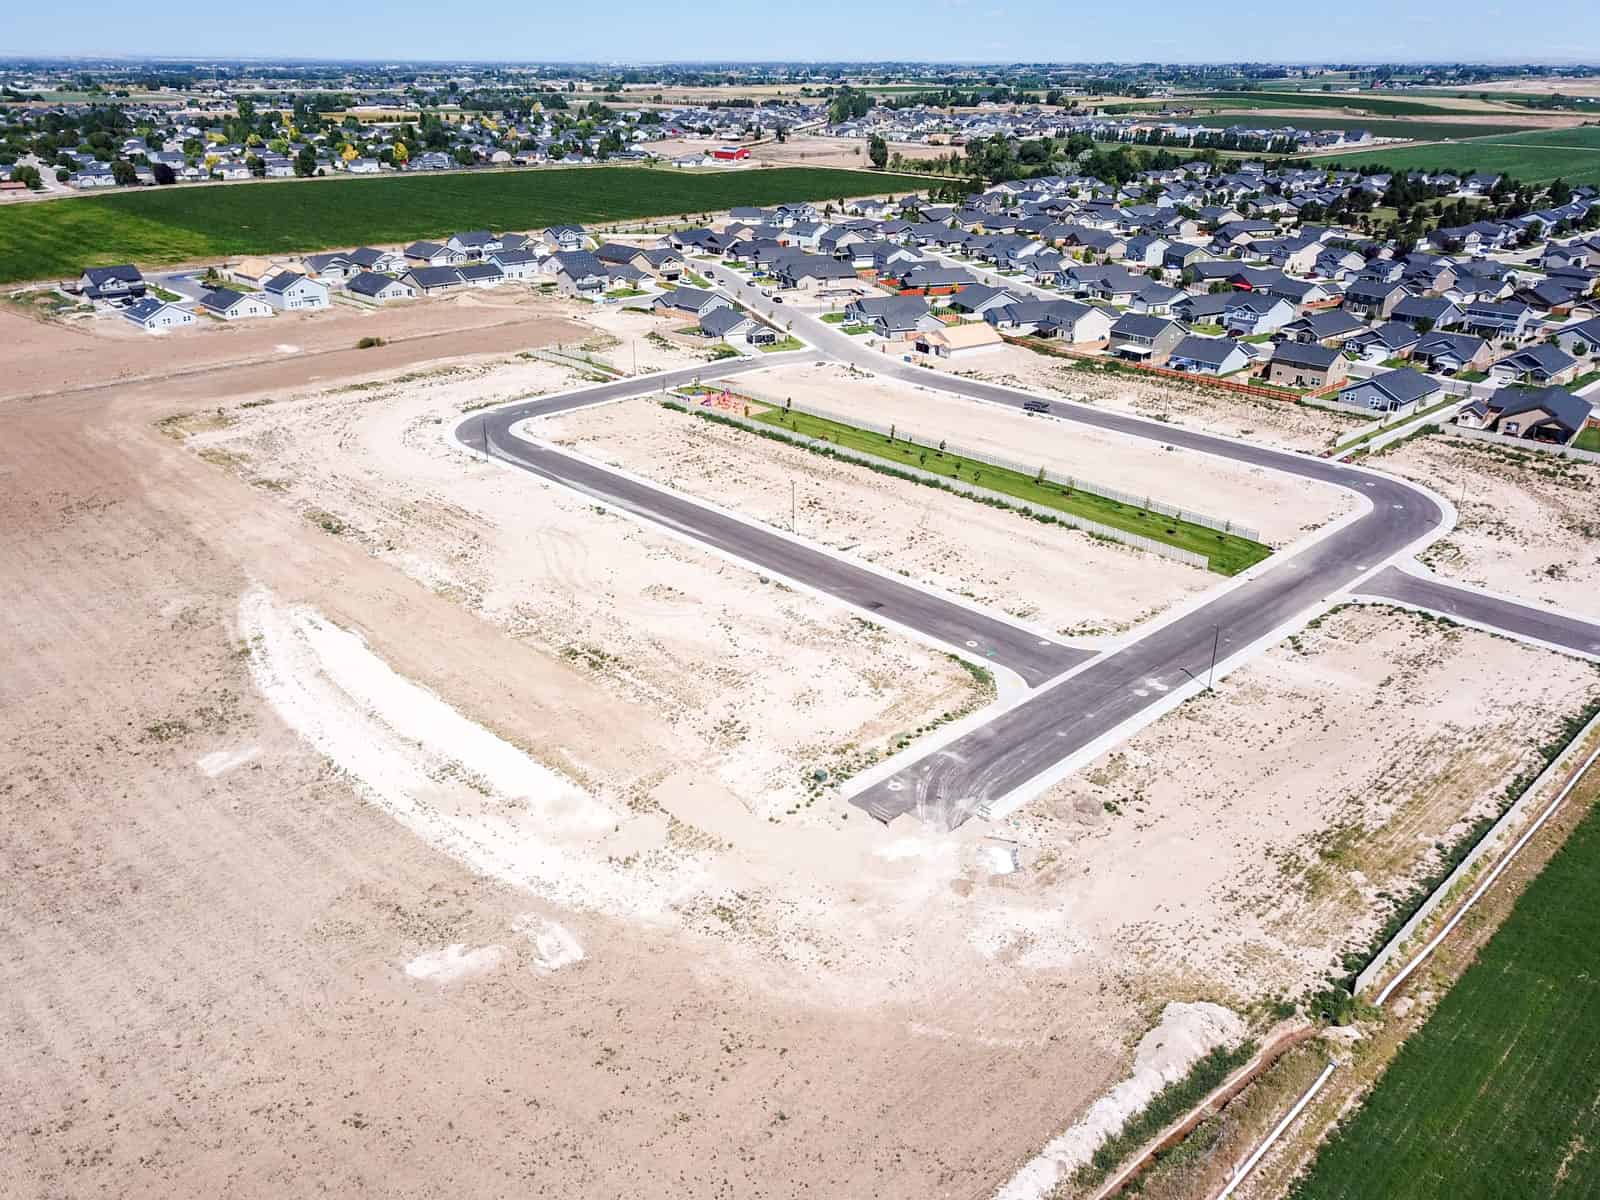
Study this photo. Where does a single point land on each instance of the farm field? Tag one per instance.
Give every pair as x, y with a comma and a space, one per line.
1570, 154
151, 226
1416, 129
1495, 1095
1377, 105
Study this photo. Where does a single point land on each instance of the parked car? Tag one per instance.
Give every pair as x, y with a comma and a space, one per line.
1036, 406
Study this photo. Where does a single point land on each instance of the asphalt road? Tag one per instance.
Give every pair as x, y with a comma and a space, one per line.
1034, 658
1525, 620
972, 773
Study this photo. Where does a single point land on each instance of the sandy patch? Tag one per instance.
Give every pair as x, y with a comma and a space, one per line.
554, 947
1272, 422
1280, 506
1049, 574
454, 962
1526, 522
765, 685
1315, 781
1186, 1033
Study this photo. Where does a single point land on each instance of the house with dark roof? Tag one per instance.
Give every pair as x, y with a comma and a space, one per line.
812, 272
1392, 339
1210, 355
1144, 339
481, 274
1498, 319
1580, 340
384, 262
433, 281
1400, 390
432, 254
1448, 353
1332, 327
154, 315
475, 243
228, 305
1375, 299
892, 317
725, 322
1427, 312
688, 301
289, 291
1548, 414
1302, 365
112, 283
379, 289
1535, 365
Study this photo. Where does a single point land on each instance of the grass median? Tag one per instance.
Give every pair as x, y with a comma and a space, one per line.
1227, 553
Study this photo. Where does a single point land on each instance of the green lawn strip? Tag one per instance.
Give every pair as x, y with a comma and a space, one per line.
1170, 1103
154, 226
1227, 553
1533, 157
788, 343
1495, 1096
1588, 439
1583, 381
1415, 129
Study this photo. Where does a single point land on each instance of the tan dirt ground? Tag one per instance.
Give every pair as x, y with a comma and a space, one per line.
1527, 522
206, 929
1281, 423
1335, 762
1043, 573
204, 974
1281, 508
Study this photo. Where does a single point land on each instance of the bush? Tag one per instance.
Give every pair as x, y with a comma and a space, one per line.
367, 343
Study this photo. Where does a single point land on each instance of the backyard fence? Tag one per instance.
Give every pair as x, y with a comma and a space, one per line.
1551, 448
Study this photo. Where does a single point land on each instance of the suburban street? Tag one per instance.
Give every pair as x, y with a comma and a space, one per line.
971, 774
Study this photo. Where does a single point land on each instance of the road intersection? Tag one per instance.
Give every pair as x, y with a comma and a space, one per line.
1077, 700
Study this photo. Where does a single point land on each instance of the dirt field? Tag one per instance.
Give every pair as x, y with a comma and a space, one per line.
1334, 762
1527, 522
1281, 508
1272, 422
1048, 574
803, 151
376, 820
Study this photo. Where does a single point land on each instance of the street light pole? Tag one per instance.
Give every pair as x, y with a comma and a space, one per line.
1216, 638
791, 507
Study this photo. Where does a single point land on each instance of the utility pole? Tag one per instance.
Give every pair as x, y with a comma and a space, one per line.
791, 507
483, 434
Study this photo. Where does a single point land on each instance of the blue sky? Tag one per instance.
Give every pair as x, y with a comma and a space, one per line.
952, 30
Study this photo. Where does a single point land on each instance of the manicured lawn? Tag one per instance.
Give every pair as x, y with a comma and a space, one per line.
1495, 1096
1588, 439
1227, 553
1534, 157
788, 343
152, 226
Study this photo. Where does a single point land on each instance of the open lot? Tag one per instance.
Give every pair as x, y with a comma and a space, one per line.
149, 226
1536, 156
1495, 1094
1526, 521
1273, 422
1414, 128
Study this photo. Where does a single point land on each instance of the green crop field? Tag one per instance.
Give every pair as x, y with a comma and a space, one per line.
1359, 101
1495, 1096
1227, 553
151, 226
1534, 157
1379, 127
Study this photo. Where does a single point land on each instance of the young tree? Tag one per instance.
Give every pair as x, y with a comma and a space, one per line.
878, 151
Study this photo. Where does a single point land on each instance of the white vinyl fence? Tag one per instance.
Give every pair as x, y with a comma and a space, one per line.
1093, 528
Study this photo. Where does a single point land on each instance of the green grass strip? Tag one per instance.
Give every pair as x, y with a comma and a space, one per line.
1227, 553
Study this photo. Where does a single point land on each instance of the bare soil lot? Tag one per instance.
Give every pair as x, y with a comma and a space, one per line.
1527, 522
1272, 422
1335, 763
371, 817
1049, 574
1281, 508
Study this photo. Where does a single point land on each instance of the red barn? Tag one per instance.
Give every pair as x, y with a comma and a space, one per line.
730, 153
